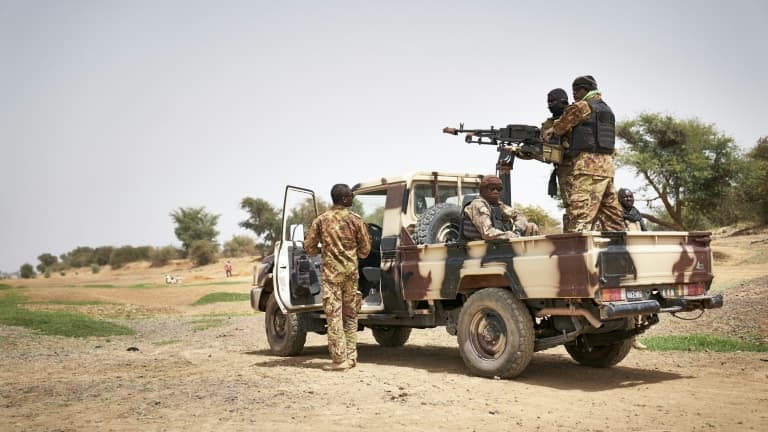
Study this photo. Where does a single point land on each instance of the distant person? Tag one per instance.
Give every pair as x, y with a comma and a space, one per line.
487, 218
228, 268
633, 220
589, 126
344, 238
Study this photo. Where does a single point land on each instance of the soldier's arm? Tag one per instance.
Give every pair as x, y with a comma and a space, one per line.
312, 239
363, 240
574, 114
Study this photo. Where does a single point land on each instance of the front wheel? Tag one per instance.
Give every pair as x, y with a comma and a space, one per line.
286, 333
600, 356
391, 336
495, 334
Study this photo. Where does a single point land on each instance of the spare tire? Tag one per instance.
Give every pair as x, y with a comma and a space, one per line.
439, 224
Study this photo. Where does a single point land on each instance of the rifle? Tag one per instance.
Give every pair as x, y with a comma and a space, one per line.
522, 141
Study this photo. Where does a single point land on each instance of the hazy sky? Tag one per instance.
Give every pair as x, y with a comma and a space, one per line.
115, 113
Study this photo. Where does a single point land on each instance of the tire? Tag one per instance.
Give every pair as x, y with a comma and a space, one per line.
439, 224
601, 356
286, 333
495, 334
391, 336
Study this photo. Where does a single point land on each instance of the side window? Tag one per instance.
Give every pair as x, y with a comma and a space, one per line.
423, 198
370, 206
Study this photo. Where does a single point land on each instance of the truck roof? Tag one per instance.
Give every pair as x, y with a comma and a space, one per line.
420, 175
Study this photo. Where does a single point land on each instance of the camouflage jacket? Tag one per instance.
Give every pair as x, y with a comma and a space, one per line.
583, 163
479, 212
344, 238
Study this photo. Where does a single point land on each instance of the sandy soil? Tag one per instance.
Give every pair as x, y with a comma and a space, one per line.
186, 378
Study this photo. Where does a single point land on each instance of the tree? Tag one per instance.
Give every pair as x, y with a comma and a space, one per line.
239, 246
547, 224
47, 261
202, 252
753, 190
27, 271
263, 220
194, 223
689, 167
80, 256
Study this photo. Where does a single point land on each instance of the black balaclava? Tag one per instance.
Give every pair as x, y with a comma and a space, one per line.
560, 100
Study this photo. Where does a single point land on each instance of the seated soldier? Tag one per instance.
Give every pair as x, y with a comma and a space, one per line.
487, 218
633, 220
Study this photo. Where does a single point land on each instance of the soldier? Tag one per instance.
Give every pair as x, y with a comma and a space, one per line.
589, 126
557, 100
633, 220
344, 238
487, 218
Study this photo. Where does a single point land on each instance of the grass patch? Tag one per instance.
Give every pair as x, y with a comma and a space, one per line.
760, 257
56, 323
219, 297
98, 286
71, 302
699, 342
167, 342
207, 323
5, 286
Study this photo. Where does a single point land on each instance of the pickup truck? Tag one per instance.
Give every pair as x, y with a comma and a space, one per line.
592, 292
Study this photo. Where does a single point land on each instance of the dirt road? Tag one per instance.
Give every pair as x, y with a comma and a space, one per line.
188, 376
224, 378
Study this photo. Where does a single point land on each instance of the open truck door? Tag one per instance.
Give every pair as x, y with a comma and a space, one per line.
297, 284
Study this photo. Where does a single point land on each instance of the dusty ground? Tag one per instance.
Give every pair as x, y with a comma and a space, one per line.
224, 377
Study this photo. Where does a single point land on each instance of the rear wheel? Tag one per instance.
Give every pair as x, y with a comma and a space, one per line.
495, 334
600, 356
391, 336
286, 333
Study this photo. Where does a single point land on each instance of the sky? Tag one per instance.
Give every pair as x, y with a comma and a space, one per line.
113, 114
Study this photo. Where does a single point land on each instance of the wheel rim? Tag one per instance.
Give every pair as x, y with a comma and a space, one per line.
447, 232
278, 325
488, 334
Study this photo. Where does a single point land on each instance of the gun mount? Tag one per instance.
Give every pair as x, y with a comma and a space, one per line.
512, 141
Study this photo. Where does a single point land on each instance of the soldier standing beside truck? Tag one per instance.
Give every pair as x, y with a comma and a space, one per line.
344, 238
589, 125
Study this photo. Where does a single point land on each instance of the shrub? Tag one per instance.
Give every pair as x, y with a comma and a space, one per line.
203, 252
95, 268
27, 271
102, 254
124, 255
162, 255
239, 246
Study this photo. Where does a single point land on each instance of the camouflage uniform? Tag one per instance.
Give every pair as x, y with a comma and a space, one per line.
344, 238
589, 185
479, 213
563, 170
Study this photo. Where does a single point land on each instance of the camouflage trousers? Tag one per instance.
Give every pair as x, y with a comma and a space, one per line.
341, 302
592, 200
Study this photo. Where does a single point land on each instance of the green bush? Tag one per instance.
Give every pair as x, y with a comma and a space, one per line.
124, 255
27, 271
162, 255
95, 268
239, 246
102, 254
203, 252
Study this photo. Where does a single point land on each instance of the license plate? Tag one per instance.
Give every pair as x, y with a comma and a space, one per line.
634, 295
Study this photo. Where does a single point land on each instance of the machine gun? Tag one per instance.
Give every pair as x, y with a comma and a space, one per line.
522, 141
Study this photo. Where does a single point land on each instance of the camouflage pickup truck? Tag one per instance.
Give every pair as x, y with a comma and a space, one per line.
505, 299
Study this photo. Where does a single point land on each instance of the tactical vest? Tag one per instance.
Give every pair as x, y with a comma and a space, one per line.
597, 134
497, 221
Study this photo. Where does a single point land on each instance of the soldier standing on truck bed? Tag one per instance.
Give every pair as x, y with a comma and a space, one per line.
557, 100
589, 125
486, 217
344, 238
